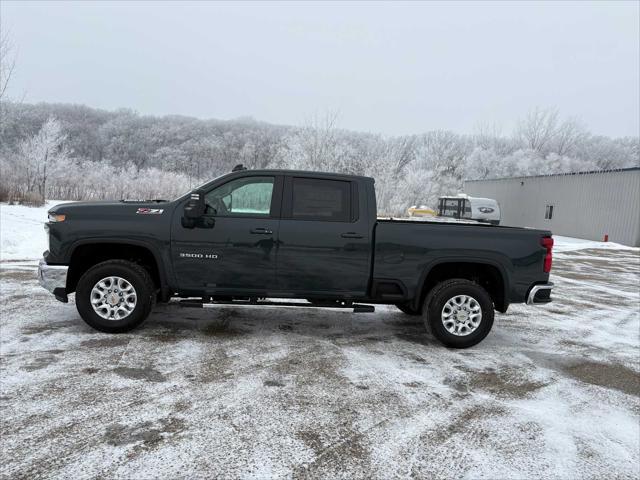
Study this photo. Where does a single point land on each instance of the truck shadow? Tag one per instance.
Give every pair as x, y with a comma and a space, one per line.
171, 323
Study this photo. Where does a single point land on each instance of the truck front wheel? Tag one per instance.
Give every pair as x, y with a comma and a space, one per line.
115, 296
459, 313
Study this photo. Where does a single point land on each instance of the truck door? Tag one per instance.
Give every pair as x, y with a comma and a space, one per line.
324, 242
239, 252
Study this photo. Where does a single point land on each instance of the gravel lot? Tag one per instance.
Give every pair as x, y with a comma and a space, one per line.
552, 392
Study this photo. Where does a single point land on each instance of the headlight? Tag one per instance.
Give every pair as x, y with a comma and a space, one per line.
53, 218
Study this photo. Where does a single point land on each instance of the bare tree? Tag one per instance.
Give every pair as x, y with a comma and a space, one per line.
538, 129
318, 137
486, 133
543, 132
489, 137
7, 61
567, 136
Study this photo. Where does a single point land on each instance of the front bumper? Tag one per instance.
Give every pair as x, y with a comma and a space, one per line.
54, 279
540, 293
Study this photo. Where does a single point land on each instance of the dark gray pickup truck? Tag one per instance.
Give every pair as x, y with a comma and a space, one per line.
312, 238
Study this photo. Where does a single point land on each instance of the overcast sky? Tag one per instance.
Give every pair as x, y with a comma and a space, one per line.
388, 68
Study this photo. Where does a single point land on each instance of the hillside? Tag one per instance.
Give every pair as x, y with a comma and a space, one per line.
77, 152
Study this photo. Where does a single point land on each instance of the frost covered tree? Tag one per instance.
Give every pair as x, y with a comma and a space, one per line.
122, 154
316, 143
542, 132
41, 155
483, 163
443, 153
537, 130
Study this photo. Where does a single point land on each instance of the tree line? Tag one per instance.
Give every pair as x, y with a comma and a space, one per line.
75, 152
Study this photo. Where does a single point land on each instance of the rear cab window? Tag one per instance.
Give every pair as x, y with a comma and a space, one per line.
321, 199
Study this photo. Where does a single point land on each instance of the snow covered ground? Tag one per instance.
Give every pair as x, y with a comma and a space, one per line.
553, 392
22, 235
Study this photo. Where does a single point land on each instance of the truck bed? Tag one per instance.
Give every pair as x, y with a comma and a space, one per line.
405, 249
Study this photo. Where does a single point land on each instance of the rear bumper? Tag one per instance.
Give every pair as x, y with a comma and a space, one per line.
540, 293
54, 279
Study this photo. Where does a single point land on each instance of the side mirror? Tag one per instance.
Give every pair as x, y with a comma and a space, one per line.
195, 206
194, 209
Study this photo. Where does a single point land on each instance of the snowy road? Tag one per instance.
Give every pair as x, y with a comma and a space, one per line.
554, 391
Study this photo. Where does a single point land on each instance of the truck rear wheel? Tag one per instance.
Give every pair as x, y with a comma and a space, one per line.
115, 296
459, 313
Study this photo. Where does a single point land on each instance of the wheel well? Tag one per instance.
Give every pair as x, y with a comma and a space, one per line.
487, 276
86, 256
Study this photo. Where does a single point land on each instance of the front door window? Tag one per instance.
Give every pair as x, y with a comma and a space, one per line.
247, 196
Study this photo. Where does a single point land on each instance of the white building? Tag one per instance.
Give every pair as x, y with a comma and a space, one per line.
588, 205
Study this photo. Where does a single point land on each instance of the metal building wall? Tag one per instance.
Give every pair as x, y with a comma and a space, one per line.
586, 205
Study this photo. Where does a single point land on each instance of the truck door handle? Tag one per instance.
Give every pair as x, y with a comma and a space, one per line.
261, 231
351, 235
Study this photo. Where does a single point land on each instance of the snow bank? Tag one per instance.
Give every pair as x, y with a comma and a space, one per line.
570, 244
22, 235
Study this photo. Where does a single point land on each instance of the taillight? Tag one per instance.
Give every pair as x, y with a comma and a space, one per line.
547, 242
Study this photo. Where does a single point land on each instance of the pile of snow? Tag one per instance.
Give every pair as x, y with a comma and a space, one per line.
570, 244
22, 235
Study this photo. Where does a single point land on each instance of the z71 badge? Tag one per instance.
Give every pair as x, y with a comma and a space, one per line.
150, 211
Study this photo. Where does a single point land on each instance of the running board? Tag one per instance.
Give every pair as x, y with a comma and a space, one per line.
355, 308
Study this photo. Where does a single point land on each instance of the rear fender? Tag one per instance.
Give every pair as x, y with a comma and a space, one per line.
420, 294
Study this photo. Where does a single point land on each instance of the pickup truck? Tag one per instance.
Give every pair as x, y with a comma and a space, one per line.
311, 238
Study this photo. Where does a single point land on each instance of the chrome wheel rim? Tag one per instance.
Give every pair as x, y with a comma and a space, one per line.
461, 315
113, 298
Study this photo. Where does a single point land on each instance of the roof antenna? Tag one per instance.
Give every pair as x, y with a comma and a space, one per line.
238, 168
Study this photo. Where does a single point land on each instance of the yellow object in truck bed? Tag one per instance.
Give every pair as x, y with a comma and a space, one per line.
421, 212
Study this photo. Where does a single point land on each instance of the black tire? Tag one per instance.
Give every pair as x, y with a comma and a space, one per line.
440, 295
407, 308
133, 273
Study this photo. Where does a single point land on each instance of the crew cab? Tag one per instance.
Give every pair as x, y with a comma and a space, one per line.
252, 236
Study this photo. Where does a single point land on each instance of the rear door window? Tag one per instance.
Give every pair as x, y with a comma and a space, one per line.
320, 199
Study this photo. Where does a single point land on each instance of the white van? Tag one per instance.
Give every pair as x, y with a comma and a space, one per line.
471, 208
